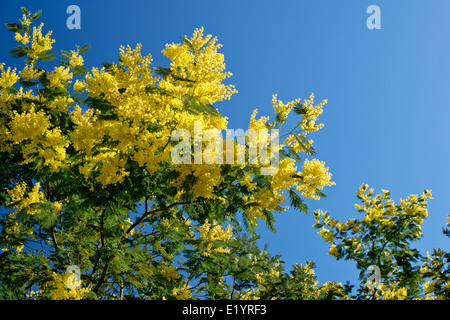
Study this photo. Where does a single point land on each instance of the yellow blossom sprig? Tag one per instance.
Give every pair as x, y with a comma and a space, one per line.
21, 200
8, 77
197, 60
171, 274
183, 293
312, 178
209, 234
58, 290
315, 176
34, 44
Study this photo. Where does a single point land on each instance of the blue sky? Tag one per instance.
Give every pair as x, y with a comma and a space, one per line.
386, 121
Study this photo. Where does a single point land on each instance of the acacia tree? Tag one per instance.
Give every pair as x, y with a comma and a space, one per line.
88, 181
436, 271
383, 238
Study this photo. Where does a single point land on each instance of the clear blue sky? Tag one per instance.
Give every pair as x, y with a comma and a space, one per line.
386, 121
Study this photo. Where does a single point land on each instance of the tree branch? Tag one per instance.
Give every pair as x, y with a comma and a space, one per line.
102, 221
55, 244
146, 213
102, 278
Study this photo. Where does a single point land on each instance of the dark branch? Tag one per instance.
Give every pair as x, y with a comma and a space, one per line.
146, 213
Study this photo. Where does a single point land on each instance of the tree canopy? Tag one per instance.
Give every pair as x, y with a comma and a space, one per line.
89, 185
